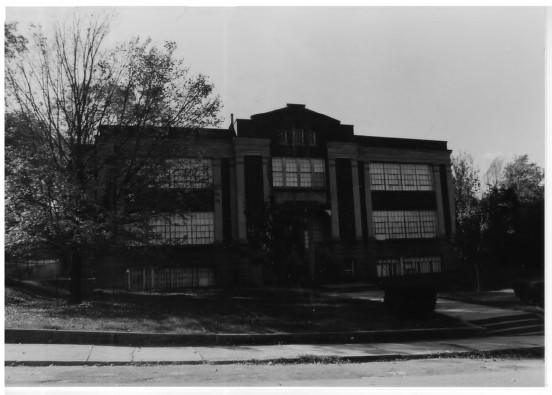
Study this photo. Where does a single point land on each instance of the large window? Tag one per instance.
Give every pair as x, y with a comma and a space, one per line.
405, 224
298, 172
189, 173
195, 228
170, 278
400, 177
147, 278
406, 266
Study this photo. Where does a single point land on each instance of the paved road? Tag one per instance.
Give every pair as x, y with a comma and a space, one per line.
458, 372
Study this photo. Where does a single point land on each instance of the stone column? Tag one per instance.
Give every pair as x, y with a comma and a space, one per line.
240, 200
266, 180
333, 198
368, 197
356, 200
217, 181
233, 199
439, 198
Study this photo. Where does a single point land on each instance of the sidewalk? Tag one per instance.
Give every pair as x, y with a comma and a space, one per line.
70, 354
362, 347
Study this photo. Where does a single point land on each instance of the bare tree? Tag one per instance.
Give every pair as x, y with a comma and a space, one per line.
493, 176
467, 208
60, 89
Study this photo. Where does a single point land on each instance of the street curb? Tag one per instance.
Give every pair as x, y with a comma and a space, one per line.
535, 351
50, 336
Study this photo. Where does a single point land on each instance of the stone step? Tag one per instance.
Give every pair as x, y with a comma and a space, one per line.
522, 330
514, 323
537, 333
514, 317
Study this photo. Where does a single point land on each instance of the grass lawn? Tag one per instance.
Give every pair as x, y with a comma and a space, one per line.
503, 298
210, 311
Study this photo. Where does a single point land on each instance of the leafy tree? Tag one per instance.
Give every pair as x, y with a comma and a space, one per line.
276, 238
13, 43
524, 178
59, 89
513, 209
468, 212
500, 208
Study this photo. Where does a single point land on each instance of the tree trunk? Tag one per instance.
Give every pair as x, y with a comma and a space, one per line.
75, 296
477, 280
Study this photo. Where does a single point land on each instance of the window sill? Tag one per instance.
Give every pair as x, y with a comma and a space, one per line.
302, 189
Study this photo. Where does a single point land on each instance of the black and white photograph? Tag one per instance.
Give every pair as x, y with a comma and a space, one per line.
239, 198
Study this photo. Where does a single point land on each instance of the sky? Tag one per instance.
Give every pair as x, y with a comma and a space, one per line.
472, 76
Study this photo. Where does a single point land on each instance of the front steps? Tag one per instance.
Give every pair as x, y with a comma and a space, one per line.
519, 324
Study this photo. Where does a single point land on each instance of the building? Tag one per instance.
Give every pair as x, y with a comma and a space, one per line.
329, 204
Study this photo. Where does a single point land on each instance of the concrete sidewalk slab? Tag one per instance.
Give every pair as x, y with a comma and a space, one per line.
470, 311
246, 353
111, 354
340, 351
166, 354
79, 354
501, 342
47, 352
420, 348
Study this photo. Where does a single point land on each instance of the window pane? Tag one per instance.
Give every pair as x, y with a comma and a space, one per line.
408, 173
392, 176
423, 178
412, 222
318, 180
189, 173
278, 179
305, 172
400, 177
396, 224
404, 266
428, 221
291, 180
312, 137
298, 137
282, 137
277, 164
404, 224
305, 179
277, 172
195, 228
318, 165
298, 172
319, 175
291, 165
376, 176
380, 225
304, 165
